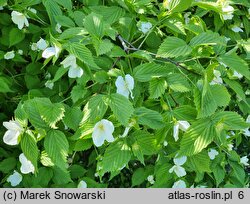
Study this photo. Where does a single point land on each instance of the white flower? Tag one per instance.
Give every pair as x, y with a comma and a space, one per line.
238, 75
15, 179
244, 160
26, 165
51, 51
150, 179
217, 78
9, 55
227, 11
32, 10
145, 27
20, 52
230, 147
165, 143
14, 130
186, 17
75, 72
125, 86
179, 184
82, 184
103, 130
34, 46
49, 84
181, 124
236, 29
246, 131
212, 154
177, 168
248, 119
70, 60
180, 160
58, 28
41, 44
19, 19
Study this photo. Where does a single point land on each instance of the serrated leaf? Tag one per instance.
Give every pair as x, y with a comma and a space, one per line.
177, 82
43, 178
29, 147
116, 156
52, 9
78, 92
16, 36
8, 164
76, 171
65, 3
236, 63
121, 107
179, 5
61, 176
207, 38
149, 117
220, 94
185, 112
219, 174
173, 47
199, 135
73, 117
237, 88
200, 162
65, 21
103, 46
157, 87
94, 25
148, 71
238, 174
138, 177
57, 146
82, 53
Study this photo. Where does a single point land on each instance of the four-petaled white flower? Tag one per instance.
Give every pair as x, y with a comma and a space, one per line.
9, 55
236, 29
150, 179
181, 124
125, 85
82, 184
41, 44
244, 160
15, 179
177, 168
74, 70
217, 77
227, 11
212, 154
179, 184
19, 19
26, 165
14, 130
145, 27
51, 51
103, 130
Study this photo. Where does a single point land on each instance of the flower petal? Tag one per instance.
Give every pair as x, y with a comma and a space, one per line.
27, 166
75, 72
180, 160
176, 131
179, 184
180, 171
82, 184
184, 125
15, 179
11, 137
49, 52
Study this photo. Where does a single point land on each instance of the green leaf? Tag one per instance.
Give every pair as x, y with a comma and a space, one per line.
82, 53
149, 117
65, 21
199, 135
237, 88
157, 87
52, 9
73, 117
51, 113
116, 156
219, 174
94, 25
61, 176
29, 147
220, 94
83, 144
238, 174
146, 142
138, 177
173, 47
207, 38
76, 171
103, 46
121, 107
177, 82
57, 146
95, 109
16, 36
200, 162
148, 71
185, 112
230, 120
46, 160
8, 165
65, 3
179, 5
78, 92
43, 178
5, 84
236, 63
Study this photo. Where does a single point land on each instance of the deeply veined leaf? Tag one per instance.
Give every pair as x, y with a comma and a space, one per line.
65, 21
157, 87
43, 177
103, 46
237, 88
82, 53
236, 63
207, 38
52, 9
146, 142
179, 5
121, 107
173, 47
61, 176
148, 71
116, 156
149, 117
238, 174
230, 120
94, 24
177, 82
185, 112
57, 146
200, 162
220, 94
73, 117
29, 147
65, 3
199, 135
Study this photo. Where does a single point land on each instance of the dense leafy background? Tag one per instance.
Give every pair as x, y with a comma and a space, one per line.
173, 68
